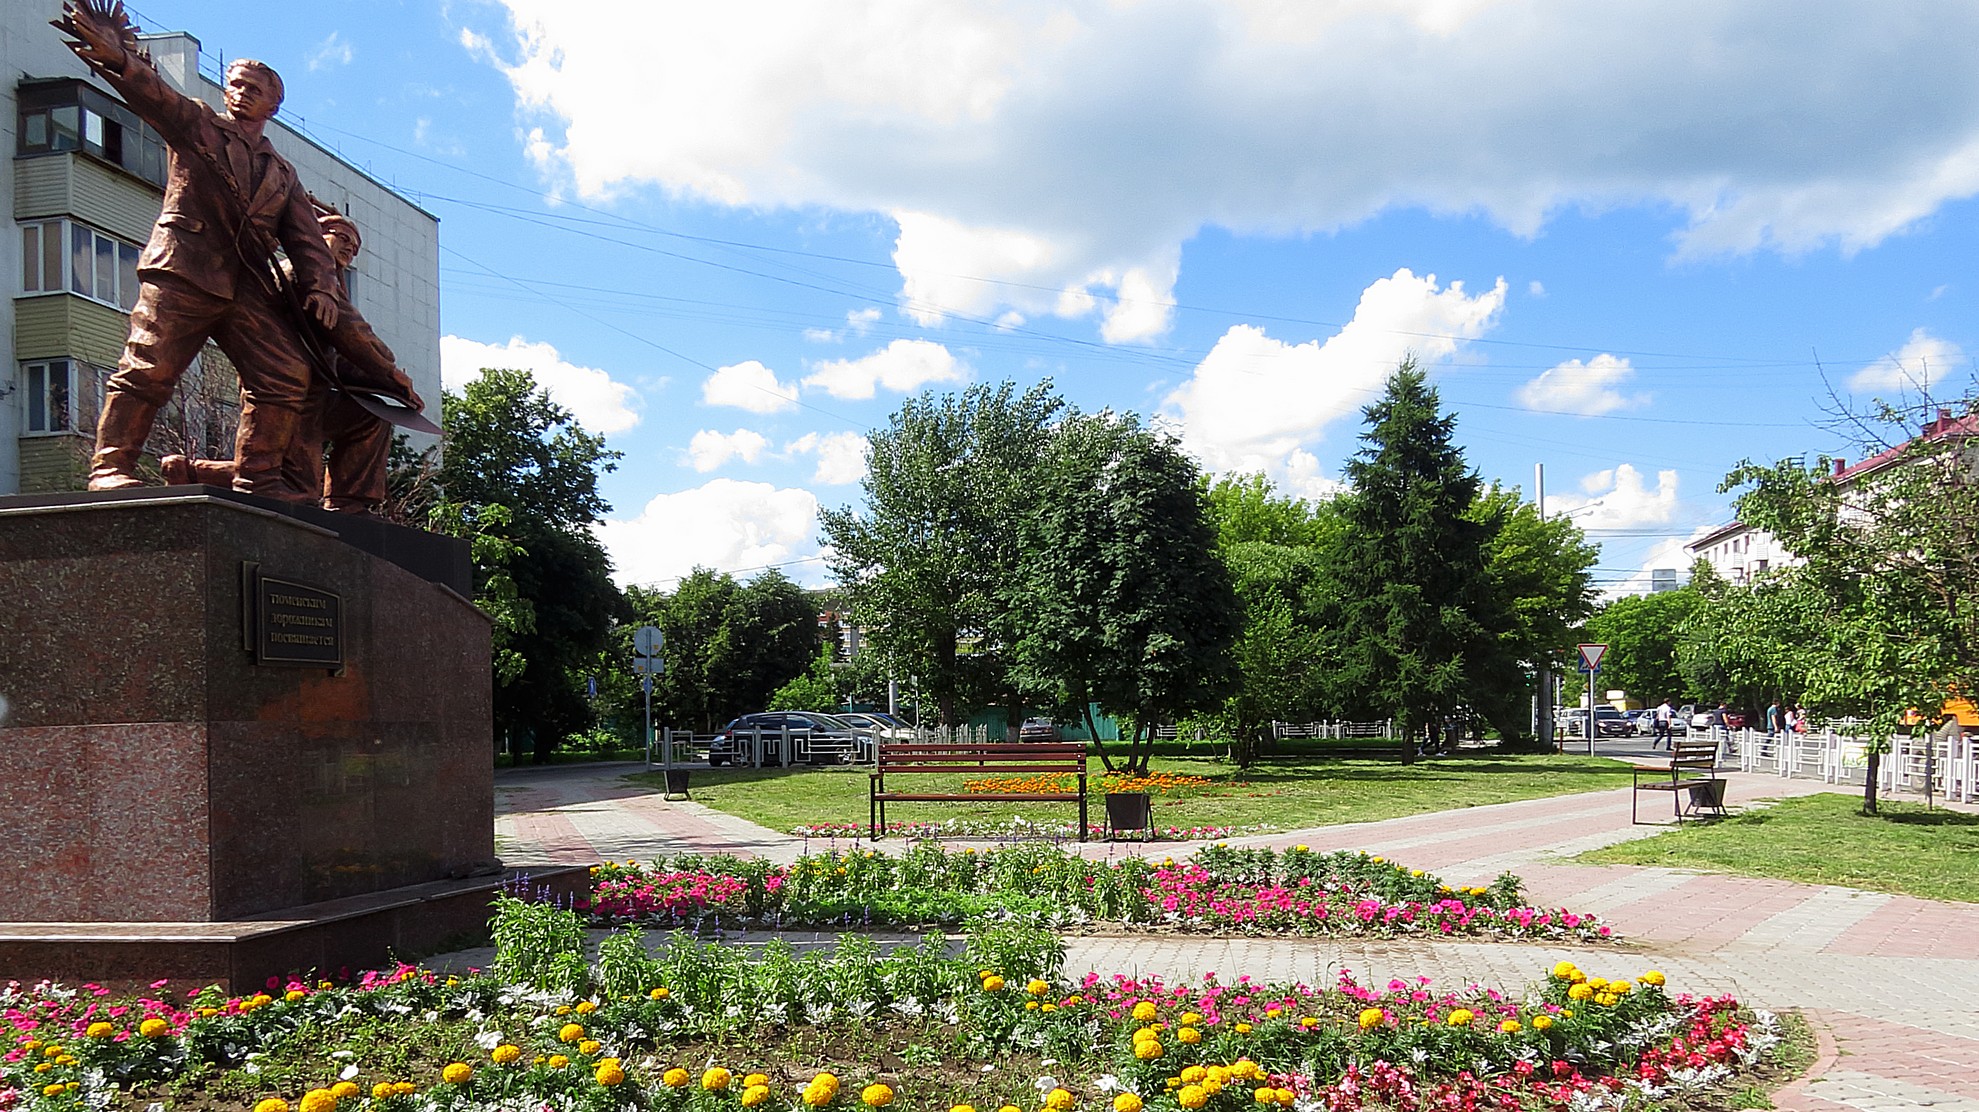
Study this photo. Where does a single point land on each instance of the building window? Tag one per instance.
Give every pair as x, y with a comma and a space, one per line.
70, 115
57, 394
59, 255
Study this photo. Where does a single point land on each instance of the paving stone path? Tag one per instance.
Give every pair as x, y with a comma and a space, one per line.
1891, 983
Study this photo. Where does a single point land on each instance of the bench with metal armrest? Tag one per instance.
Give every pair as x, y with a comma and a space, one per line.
988, 758
1689, 775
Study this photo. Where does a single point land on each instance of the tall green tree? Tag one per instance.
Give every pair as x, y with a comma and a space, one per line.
1413, 575
729, 646
1539, 573
1127, 604
935, 556
520, 477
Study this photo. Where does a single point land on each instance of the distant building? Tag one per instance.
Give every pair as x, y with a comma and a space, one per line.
1662, 579
86, 187
1739, 552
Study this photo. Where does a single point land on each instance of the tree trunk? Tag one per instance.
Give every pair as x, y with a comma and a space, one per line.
1092, 731
1869, 782
1408, 732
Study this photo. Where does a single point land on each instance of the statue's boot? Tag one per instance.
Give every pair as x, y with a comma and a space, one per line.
181, 470
259, 448
120, 435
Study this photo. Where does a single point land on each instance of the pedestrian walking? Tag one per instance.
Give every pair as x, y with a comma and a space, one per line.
1773, 717
1660, 735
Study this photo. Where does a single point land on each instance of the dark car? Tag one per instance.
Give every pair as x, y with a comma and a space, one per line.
1038, 729
814, 739
1607, 720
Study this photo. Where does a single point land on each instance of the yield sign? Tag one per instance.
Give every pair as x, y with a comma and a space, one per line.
1590, 657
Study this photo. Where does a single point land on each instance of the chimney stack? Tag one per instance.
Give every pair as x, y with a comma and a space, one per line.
1841, 465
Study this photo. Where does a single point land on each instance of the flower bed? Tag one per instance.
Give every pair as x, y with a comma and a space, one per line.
1015, 829
1247, 891
705, 1028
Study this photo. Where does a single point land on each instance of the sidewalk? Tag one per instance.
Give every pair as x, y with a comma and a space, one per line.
1893, 981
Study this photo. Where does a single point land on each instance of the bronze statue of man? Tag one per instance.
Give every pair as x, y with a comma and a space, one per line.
207, 272
352, 478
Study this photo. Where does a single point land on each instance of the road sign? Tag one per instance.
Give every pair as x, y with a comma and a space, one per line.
1590, 657
648, 665
648, 641
646, 684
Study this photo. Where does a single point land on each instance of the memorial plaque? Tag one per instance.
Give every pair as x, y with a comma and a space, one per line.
295, 623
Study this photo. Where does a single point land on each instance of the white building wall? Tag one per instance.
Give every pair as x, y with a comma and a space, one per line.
1738, 556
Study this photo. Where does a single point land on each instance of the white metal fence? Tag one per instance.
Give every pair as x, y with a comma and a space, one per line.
1949, 765
1337, 729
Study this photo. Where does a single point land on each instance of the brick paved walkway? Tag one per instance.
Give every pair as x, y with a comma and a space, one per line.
1891, 982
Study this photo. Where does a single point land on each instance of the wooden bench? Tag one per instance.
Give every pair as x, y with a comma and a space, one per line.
1691, 771
991, 758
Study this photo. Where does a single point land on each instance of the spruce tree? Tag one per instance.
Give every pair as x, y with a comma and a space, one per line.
1415, 606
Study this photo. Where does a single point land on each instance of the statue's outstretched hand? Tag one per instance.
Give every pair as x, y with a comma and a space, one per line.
323, 307
102, 31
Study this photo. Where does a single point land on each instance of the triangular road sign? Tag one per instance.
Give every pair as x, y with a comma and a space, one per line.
1590, 657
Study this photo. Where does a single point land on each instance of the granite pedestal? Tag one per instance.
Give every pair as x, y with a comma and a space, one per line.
152, 772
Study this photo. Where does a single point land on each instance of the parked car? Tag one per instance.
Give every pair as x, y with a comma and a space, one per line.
1608, 721
1703, 716
1038, 729
814, 738
877, 724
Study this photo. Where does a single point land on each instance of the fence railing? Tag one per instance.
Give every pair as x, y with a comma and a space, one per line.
1949, 765
1336, 729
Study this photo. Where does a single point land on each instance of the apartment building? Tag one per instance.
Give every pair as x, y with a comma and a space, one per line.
85, 188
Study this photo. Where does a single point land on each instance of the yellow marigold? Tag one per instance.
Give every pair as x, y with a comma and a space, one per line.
610, 1073
563, 1009
1188, 1036
756, 1079
1371, 1018
1145, 1010
876, 1095
1030, 1005
589, 1047
675, 1078
1508, 1026
1653, 977
586, 1007
1607, 999
1059, 1100
1309, 1022
1459, 1018
961, 1108
753, 1095
506, 1054
1597, 983
1037, 987
1541, 1022
1300, 849
716, 1079
1620, 988
1048, 1008
992, 983
1563, 971
815, 1097
1193, 1074
570, 1032
1143, 1034
559, 1061
1192, 1096
1191, 1019
1243, 1028
1579, 992
267, 1104
154, 1028
457, 1073
659, 993
57, 1089
294, 995
318, 1100
381, 1090
1008, 1108
1128, 1102
100, 1030
1273, 1013
1286, 1097
1264, 1094
1147, 1050
404, 1088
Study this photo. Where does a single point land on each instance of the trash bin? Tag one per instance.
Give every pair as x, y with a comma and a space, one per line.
1707, 795
676, 781
1129, 811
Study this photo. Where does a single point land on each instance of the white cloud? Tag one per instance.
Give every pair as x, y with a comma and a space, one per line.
858, 322
1618, 498
725, 524
710, 449
1254, 400
748, 385
1074, 145
598, 402
333, 51
1584, 389
1536, 288
841, 456
1668, 554
1918, 365
903, 366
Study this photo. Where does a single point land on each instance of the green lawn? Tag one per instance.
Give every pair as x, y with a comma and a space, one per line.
1825, 839
1288, 792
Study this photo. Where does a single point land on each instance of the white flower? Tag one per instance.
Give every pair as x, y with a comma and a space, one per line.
1106, 1083
348, 1072
488, 1040
1046, 1083
342, 1054
909, 1007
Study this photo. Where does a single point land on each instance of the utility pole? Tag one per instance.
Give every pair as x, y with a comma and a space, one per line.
1542, 698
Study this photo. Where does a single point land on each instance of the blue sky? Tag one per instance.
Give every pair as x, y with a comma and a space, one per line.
1635, 242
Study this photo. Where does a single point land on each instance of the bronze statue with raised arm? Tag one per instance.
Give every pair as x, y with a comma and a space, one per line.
209, 269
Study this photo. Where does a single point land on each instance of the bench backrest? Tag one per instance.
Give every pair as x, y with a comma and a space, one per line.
1694, 754
961, 756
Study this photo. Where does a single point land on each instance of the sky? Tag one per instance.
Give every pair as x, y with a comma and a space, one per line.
1633, 243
